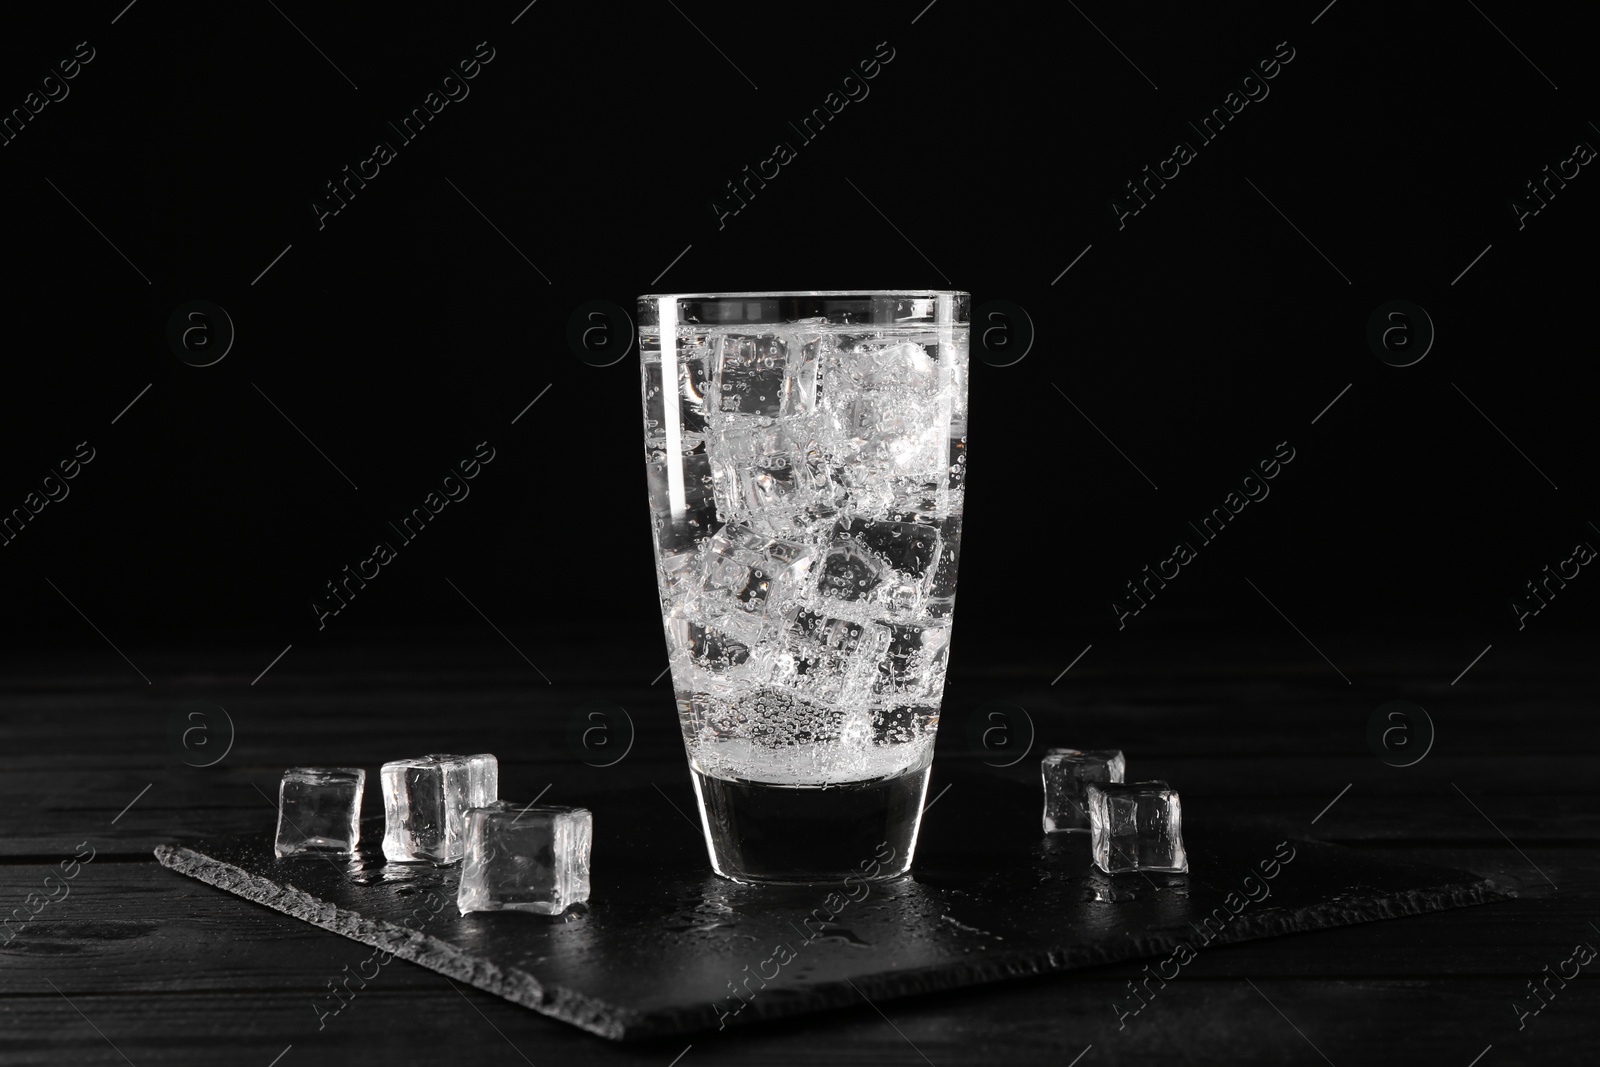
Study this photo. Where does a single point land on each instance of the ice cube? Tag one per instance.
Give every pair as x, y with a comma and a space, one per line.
695, 467
746, 571
884, 562
846, 571
681, 525
694, 383
874, 361
692, 359
763, 374
941, 600
897, 431
881, 403
914, 444
773, 476
825, 658
901, 365
908, 547
1136, 826
815, 350
425, 802
912, 664
525, 858
720, 647
737, 580
1066, 772
319, 810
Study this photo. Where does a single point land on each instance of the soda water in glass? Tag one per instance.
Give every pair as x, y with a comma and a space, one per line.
807, 460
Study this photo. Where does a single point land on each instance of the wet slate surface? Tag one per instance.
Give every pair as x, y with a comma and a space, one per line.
666, 947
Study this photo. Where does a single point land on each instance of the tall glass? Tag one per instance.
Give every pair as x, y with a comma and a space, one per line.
807, 457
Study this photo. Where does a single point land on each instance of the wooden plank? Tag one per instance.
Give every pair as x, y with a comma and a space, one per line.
1043, 1022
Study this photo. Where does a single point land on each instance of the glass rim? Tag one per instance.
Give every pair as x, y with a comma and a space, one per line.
805, 292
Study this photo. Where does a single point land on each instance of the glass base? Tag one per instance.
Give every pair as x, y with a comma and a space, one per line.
811, 835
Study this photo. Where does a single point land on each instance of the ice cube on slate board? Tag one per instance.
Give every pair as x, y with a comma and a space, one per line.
1065, 771
319, 810
425, 805
1136, 826
533, 858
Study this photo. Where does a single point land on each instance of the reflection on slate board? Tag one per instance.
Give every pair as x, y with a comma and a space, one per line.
666, 947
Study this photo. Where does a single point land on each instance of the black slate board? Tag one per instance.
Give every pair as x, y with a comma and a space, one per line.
664, 945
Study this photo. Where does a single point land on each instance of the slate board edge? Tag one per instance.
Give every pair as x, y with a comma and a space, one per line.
519, 987
617, 1023
1023, 963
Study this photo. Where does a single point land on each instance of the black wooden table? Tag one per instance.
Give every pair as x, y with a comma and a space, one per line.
124, 961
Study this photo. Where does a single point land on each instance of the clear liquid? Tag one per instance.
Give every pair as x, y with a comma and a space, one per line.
766, 832
806, 490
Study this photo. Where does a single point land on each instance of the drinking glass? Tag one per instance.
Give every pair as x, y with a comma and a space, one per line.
807, 457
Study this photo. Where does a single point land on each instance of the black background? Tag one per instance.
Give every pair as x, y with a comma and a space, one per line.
407, 330
1223, 319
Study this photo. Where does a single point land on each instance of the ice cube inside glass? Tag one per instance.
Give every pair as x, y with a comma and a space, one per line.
1066, 771
525, 858
1136, 826
319, 810
425, 805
